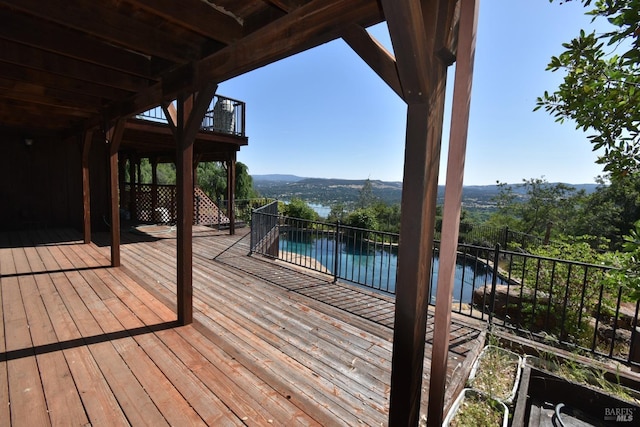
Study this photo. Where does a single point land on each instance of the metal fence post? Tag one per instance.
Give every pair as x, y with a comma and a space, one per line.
254, 224
494, 282
336, 253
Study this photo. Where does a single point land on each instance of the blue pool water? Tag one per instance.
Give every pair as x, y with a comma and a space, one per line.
376, 267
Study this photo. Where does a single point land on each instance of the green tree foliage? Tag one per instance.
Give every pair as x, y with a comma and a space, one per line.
244, 183
609, 213
212, 178
362, 218
466, 223
627, 263
338, 212
366, 197
601, 87
567, 295
166, 174
387, 216
298, 208
531, 211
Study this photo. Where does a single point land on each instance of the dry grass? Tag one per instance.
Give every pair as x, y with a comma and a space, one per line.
476, 411
496, 373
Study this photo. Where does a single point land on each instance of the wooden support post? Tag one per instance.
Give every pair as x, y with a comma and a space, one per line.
418, 29
189, 117
196, 162
86, 187
114, 136
419, 195
154, 189
133, 188
184, 186
231, 193
138, 170
452, 208
122, 167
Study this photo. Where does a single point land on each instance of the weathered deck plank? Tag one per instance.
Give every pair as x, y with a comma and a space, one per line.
270, 345
263, 315
6, 259
26, 394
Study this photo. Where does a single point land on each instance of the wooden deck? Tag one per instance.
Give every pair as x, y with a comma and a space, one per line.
83, 343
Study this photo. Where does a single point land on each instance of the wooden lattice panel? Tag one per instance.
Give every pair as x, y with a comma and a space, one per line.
205, 211
162, 209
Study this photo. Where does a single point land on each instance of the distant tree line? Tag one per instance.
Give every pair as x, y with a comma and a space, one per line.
536, 207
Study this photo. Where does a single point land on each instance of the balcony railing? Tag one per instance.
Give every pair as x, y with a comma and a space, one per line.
568, 302
224, 115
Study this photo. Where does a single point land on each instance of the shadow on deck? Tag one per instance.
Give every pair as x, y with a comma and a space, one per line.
270, 344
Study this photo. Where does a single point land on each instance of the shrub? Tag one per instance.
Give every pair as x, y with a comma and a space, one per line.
362, 218
298, 208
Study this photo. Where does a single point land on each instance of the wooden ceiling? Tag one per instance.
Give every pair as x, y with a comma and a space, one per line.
70, 65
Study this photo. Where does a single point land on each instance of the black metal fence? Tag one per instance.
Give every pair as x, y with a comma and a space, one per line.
563, 302
264, 229
489, 236
243, 208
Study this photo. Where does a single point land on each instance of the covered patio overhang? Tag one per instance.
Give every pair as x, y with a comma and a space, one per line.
76, 69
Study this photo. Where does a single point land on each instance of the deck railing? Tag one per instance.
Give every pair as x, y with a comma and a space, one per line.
568, 302
487, 235
264, 229
224, 115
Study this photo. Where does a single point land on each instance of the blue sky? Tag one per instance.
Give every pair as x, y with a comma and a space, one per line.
324, 113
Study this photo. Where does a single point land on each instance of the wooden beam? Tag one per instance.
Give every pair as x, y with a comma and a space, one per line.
184, 224
186, 127
375, 55
47, 79
21, 107
122, 168
196, 15
39, 59
231, 193
154, 188
48, 96
414, 28
412, 46
63, 41
114, 25
9, 118
452, 208
317, 22
132, 185
286, 5
114, 137
449, 41
170, 112
86, 187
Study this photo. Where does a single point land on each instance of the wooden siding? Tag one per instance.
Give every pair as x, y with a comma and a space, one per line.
270, 345
41, 184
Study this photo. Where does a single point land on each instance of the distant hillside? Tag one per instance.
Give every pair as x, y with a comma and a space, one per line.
276, 178
324, 191
330, 191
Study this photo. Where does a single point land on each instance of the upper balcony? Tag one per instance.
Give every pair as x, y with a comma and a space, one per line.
222, 133
224, 115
